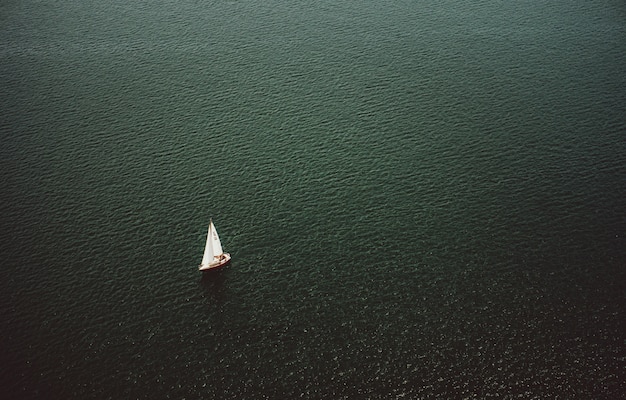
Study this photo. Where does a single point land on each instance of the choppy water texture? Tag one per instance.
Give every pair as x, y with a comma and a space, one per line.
422, 199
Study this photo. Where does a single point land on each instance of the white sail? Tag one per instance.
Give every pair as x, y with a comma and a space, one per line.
208, 248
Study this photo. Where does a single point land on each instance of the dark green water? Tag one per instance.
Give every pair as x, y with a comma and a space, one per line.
421, 200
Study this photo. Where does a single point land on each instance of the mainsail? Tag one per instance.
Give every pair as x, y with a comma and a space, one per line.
215, 241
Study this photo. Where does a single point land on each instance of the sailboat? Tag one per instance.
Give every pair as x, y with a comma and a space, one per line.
214, 256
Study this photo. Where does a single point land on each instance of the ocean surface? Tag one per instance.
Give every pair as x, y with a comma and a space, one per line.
422, 199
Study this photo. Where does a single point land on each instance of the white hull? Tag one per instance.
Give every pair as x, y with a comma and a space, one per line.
216, 263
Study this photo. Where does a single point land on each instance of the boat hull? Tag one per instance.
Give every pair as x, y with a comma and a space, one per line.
215, 264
